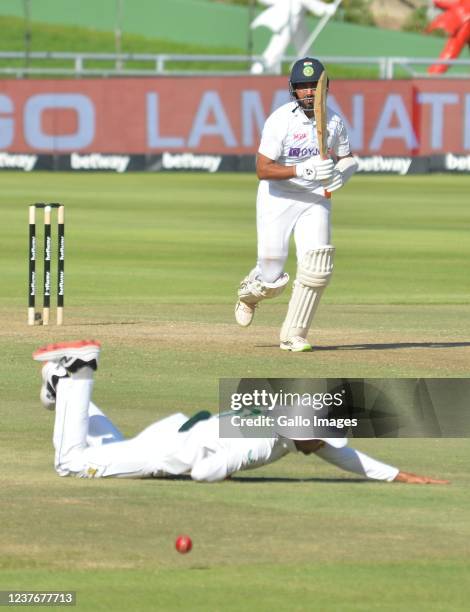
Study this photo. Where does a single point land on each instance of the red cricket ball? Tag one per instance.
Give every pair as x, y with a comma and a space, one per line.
183, 544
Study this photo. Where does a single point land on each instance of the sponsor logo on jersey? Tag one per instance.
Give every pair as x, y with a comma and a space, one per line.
300, 135
303, 152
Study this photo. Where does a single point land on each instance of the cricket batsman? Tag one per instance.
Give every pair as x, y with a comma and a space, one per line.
88, 445
293, 197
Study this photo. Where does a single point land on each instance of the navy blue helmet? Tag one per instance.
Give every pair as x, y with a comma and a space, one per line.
305, 70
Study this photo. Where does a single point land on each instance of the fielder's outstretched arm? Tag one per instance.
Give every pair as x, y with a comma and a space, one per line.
351, 460
410, 478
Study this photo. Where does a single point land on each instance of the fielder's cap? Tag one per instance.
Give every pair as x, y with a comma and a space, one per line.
334, 442
306, 70
299, 422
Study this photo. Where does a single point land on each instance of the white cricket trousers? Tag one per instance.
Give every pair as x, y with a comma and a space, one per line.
87, 444
278, 216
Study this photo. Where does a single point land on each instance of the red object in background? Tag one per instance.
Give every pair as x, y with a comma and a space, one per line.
456, 22
183, 544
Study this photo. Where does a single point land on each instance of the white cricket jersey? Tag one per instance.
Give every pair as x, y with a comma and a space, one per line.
290, 137
249, 453
240, 453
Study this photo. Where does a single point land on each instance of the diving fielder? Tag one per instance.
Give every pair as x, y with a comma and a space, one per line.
88, 445
291, 199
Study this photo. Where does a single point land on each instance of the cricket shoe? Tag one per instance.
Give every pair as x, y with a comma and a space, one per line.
296, 344
71, 355
51, 373
244, 313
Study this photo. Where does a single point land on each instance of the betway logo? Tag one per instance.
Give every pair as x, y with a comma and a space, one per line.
96, 161
20, 162
457, 162
189, 161
377, 163
305, 152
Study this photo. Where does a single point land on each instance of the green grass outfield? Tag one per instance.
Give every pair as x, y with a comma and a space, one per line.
152, 265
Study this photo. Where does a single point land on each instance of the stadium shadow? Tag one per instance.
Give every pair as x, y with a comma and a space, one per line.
380, 346
390, 345
281, 479
101, 323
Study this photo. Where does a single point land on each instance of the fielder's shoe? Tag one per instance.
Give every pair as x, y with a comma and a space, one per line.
244, 313
71, 355
296, 344
51, 373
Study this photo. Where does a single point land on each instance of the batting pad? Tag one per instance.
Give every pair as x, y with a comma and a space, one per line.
253, 291
313, 275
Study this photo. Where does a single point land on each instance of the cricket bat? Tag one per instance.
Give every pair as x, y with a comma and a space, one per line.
320, 117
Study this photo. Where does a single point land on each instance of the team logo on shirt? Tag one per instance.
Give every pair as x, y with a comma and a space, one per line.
300, 136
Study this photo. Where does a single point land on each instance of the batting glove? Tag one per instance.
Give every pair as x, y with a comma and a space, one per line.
336, 181
315, 169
